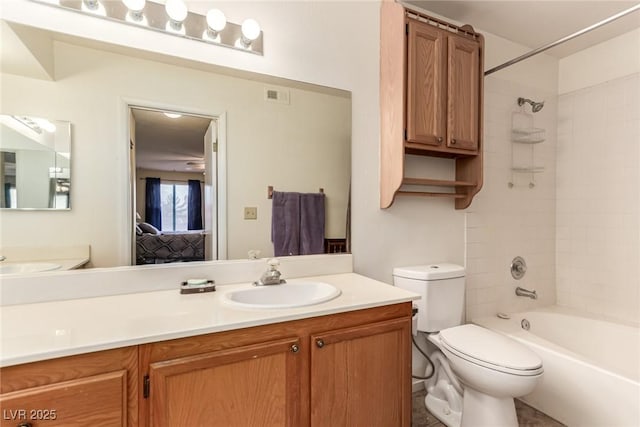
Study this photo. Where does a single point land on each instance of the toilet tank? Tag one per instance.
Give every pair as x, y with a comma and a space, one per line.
441, 287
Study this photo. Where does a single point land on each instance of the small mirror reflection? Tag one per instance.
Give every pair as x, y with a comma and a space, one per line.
35, 163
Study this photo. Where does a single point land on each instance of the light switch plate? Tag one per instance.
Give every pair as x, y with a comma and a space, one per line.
251, 213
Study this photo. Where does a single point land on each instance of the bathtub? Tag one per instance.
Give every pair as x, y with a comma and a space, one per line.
591, 366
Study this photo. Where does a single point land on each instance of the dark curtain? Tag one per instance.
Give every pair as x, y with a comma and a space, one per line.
7, 194
152, 205
194, 210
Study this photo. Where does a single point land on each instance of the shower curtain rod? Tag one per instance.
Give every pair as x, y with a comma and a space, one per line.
562, 40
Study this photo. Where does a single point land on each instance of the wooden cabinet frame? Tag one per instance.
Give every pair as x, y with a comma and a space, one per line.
205, 348
162, 383
432, 61
98, 389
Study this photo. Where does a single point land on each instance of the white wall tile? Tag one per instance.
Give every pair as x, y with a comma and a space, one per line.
598, 183
505, 222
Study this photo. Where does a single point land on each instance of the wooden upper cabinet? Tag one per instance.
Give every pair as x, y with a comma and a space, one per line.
431, 84
442, 88
426, 66
463, 93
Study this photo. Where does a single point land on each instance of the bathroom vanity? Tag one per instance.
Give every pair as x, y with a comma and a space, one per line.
194, 360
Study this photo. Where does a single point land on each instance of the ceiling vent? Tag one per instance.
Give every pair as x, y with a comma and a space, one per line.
278, 95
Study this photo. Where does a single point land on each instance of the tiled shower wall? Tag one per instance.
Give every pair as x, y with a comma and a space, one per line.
504, 222
598, 192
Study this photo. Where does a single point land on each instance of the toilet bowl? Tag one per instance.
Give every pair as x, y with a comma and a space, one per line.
484, 370
493, 370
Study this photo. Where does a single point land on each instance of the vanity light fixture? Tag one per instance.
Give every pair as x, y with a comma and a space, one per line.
250, 32
216, 21
173, 115
93, 6
36, 124
135, 14
177, 12
172, 17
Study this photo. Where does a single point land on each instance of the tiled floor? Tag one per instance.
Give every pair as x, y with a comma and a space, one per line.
527, 416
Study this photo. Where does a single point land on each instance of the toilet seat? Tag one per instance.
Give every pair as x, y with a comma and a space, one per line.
491, 350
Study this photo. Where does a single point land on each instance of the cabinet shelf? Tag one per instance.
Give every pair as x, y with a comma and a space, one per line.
430, 194
437, 182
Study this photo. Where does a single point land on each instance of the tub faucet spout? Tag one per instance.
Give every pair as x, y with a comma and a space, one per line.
522, 292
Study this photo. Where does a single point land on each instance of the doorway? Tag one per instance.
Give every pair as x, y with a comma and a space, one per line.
174, 186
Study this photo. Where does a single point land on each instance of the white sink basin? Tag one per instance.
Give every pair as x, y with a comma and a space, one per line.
287, 295
27, 267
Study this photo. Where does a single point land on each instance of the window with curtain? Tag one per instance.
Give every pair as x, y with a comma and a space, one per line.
174, 207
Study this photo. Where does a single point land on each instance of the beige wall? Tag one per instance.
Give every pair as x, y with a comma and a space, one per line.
299, 45
612, 59
267, 144
413, 230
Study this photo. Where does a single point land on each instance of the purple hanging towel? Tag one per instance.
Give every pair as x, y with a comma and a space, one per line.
312, 223
285, 223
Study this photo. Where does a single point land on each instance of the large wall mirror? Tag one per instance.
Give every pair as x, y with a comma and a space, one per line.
263, 132
35, 163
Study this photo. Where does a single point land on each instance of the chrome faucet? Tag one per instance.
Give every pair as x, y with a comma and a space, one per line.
2, 258
522, 292
271, 276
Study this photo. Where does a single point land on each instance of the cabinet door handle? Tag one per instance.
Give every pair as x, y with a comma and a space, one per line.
453, 141
439, 139
320, 343
295, 348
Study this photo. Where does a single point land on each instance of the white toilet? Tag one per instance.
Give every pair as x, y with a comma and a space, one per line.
477, 372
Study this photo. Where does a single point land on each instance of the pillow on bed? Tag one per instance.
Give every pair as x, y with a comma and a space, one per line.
148, 228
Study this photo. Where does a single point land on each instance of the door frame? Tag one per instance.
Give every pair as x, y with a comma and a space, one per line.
128, 229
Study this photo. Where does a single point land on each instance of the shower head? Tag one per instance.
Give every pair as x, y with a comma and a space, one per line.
535, 106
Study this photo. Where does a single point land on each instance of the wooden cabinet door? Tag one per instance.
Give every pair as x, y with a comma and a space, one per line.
99, 400
463, 93
361, 376
254, 385
426, 82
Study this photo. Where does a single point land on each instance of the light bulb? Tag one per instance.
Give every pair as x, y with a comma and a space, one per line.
177, 10
173, 115
216, 20
250, 29
93, 6
135, 11
134, 5
250, 32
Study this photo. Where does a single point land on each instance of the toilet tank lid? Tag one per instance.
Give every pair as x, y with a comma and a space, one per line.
438, 271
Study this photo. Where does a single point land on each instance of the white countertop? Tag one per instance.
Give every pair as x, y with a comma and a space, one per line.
40, 331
